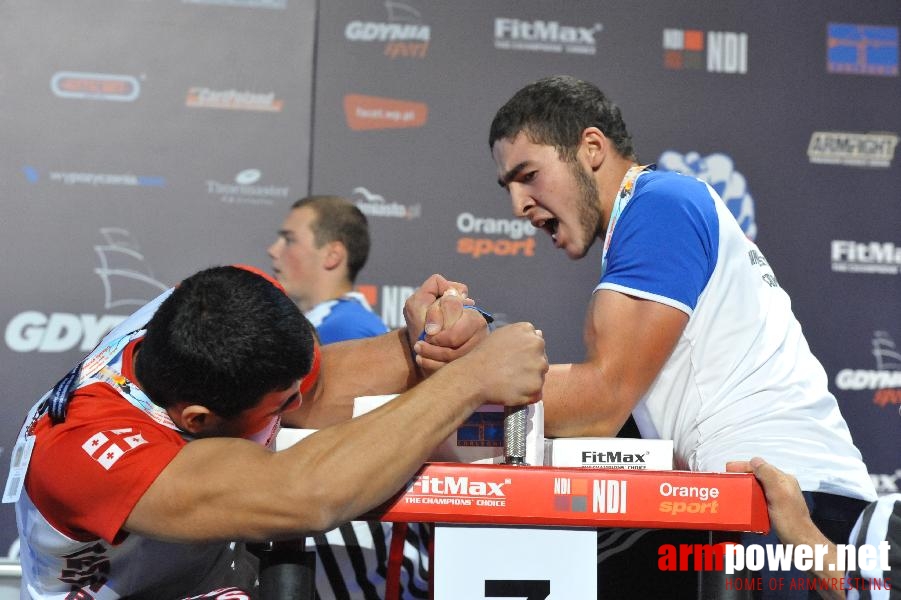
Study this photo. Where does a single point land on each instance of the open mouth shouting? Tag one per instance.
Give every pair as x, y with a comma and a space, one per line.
550, 226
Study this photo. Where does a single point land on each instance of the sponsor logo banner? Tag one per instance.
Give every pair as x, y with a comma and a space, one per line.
34, 175
525, 495
388, 301
244, 190
373, 112
95, 86
713, 51
854, 49
127, 281
375, 205
404, 35
874, 258
852, 149
884, 380
511, 237
545, 36
887, 483
204, 97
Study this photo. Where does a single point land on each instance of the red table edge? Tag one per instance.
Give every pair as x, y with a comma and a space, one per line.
745, 501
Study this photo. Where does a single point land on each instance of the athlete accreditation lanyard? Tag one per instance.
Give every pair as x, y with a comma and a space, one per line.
55, 402
103, 365
626, 189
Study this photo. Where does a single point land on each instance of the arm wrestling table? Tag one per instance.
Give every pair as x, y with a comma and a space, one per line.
524, 496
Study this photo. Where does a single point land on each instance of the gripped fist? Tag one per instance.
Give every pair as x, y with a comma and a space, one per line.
423, 310
510, 365
436, 309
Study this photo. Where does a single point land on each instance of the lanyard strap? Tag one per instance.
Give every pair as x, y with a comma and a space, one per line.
626, 189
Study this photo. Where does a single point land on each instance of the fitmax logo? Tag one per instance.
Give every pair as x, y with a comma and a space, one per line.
457, 486
612, 457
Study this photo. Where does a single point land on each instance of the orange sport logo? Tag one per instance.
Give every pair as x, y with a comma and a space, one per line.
488, 236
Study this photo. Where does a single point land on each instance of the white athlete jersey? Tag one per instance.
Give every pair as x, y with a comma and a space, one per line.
741, 381
85, 476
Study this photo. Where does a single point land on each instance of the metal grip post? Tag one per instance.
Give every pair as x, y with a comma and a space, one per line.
515, 424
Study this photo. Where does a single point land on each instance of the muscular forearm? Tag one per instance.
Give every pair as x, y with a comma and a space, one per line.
230, 488
577, 402
379, 365
366, 448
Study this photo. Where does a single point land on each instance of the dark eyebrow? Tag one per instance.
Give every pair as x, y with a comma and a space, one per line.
510, 175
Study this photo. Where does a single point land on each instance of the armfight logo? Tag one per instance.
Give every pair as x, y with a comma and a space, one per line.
852, 149
884, 381
404, 35
127, 282
719, 171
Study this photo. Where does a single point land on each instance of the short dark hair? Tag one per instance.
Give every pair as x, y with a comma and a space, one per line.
223, 339
340, 220
554, 111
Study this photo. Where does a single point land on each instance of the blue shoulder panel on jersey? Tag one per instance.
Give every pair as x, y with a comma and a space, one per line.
348, 320
664, 247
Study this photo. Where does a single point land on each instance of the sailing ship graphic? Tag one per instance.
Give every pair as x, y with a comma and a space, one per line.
888, 358
127, 280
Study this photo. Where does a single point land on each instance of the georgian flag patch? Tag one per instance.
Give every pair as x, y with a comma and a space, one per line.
106, 447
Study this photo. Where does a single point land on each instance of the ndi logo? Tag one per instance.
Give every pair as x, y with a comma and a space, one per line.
719, 171
607, 496
714, 51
